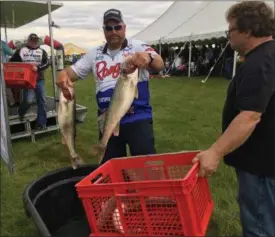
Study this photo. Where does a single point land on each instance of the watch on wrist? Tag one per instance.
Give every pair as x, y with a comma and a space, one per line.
151, 58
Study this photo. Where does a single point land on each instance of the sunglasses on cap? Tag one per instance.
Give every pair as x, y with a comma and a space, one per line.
111, 28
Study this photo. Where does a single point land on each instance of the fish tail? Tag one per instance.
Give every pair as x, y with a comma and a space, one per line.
98, 151
77, 162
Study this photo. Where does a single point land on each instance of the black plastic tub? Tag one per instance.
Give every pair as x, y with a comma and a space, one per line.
53, 204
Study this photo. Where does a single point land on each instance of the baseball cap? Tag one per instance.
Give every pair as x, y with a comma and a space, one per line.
33, 36
113, 14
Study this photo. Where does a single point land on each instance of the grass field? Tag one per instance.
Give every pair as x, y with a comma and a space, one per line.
187, 116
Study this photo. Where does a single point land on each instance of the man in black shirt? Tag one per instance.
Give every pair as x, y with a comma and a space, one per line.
248, 124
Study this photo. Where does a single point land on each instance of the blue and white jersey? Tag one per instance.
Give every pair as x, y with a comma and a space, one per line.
105, 65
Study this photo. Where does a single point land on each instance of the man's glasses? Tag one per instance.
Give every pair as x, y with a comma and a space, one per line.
111, 28
227, 32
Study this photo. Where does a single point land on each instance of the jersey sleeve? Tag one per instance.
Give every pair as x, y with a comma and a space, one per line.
84, 65
141, 46
257, 87
45, 62
16, 56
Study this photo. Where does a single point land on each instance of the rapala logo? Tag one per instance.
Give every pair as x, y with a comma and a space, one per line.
102, 71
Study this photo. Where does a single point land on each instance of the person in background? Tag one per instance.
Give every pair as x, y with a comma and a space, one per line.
5, 52
104, 61
32, 53
248, 125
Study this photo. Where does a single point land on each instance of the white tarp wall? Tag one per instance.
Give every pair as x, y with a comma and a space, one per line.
201, 19
4, 129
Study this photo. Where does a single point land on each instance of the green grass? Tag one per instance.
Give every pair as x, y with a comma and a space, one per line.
187, 116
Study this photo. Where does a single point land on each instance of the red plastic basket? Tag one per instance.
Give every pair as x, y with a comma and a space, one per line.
20, 75
155, 195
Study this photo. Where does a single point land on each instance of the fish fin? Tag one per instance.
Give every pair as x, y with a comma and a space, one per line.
116, 130
73, 163
136, 93
77, 162
98, 151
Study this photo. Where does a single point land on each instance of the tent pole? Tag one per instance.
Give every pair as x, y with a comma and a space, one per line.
5, 107
212, 68
160, 49
234, 64
190, 56
175, 58
223, 61
6, 34
160, 46
52, 53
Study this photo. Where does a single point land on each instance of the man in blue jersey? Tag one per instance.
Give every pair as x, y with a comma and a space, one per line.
104, 61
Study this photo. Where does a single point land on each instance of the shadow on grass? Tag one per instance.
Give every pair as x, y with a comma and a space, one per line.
213, 229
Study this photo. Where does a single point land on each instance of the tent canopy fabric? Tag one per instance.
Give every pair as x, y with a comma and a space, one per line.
71, 49
188, 21
15, 14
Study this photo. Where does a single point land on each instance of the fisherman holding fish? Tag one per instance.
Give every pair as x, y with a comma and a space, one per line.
120, 68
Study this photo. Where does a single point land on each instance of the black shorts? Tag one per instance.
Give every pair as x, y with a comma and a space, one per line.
139, 136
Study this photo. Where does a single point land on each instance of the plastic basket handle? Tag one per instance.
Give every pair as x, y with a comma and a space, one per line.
97, 178
14, 69
154, 163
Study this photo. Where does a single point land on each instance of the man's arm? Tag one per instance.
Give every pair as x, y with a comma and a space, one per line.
237, 133
45, 62
157, 64
80, 69
253, 96
67, 72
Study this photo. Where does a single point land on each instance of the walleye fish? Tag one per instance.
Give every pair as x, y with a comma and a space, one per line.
110, 218
66, 120
124, 94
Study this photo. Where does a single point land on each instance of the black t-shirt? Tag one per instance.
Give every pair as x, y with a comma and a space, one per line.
253, 89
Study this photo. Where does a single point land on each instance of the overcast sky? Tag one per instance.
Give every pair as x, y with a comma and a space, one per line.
81, 22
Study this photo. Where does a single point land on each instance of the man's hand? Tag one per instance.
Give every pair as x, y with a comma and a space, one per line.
209, 162
65, 84
34, 68
128, 67
141, 59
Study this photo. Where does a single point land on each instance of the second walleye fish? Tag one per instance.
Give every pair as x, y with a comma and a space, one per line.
124, 94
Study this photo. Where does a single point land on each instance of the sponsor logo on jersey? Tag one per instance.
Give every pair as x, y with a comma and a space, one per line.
102, 71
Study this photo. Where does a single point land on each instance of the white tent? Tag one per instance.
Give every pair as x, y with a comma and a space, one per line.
15, 14
185, 21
